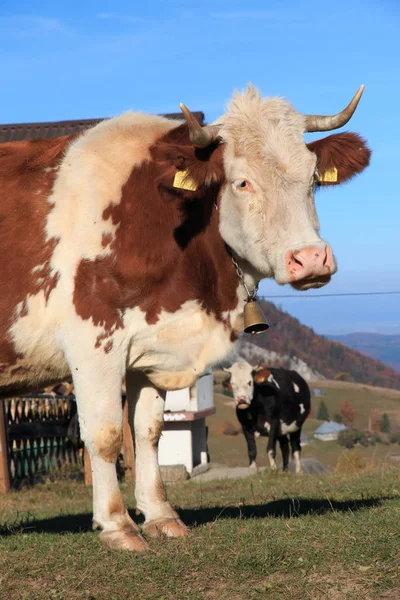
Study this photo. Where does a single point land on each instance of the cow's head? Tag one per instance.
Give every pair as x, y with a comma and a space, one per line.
242, 384
267, 213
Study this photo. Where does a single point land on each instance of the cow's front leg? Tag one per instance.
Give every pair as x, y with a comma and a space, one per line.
98, 396
296, 450
146, 411
284, 444
272, 439
251, 448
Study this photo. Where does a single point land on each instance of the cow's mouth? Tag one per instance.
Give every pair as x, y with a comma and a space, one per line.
242, 405
306, 284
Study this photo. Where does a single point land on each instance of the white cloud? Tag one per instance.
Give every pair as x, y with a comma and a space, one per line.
116, 17
252, 14
21, 25
47, 23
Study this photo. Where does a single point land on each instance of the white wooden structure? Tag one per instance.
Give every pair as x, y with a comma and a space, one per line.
183, 440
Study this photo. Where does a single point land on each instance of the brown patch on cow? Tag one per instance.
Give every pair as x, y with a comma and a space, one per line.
100, 338
234, 336
154, 433
167, 249
103, 340
27, 175
19, 371
108, 346
347, 152
261, 375
106, 239
159, 489
119, 515
116, 505
97, 292
108, 442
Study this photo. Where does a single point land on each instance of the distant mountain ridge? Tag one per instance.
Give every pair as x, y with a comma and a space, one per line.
289, 338
385, 348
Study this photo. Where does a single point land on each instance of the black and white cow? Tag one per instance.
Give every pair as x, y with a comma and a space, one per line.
273, 403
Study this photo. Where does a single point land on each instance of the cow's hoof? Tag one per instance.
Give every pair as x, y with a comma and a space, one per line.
253, 468
165, 528
123, 540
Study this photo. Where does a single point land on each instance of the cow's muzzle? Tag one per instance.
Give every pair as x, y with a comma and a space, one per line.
310, 267
242, 402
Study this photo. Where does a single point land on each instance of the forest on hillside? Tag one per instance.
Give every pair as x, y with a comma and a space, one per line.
287, 335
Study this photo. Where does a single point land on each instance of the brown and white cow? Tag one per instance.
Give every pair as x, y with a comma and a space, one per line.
114, 260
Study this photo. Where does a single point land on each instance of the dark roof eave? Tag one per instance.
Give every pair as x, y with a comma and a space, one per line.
24, 131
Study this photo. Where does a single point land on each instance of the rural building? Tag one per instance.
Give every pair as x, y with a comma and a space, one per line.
318, 392
184, 437
329, 431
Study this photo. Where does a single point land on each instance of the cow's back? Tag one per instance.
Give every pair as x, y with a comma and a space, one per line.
294, 395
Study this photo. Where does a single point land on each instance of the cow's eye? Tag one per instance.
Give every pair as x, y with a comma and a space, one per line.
243, 185
249, 383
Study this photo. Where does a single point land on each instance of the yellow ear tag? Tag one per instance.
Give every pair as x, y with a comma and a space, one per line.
330, 176
183, 181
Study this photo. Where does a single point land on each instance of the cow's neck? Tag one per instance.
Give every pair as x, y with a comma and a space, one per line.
248, 276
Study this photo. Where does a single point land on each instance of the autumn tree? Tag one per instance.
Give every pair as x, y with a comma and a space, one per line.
347, 411
323, 412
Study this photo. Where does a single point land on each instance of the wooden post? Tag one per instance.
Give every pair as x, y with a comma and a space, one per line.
129, 452
4, 470
87, 467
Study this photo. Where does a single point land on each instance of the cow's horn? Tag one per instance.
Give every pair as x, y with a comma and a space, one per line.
321, 123
199, 136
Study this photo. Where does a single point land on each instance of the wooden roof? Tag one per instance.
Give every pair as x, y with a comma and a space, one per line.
35, 131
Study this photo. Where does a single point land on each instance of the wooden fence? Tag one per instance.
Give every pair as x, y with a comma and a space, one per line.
34, 441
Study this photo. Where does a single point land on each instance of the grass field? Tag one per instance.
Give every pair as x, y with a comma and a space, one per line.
268, 536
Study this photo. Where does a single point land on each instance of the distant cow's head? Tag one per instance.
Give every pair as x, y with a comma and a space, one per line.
242, 384
268, 177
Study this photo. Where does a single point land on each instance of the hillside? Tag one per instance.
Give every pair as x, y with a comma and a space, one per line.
333, 360
385, 348
254, 354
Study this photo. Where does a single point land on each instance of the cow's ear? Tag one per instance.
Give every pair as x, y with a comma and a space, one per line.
340, 157
182, 167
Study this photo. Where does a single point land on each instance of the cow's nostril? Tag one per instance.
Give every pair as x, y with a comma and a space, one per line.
296, 260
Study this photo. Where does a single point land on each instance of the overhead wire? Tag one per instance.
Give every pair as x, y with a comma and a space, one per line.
304, 296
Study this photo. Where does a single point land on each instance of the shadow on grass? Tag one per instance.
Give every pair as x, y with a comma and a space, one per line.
81, 523
289, 507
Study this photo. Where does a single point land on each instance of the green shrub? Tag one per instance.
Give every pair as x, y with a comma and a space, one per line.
384, 424
323, 412
351, 437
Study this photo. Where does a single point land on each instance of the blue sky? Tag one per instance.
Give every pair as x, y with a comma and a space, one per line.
96, 59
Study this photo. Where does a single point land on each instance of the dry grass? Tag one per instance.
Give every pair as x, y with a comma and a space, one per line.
278, 537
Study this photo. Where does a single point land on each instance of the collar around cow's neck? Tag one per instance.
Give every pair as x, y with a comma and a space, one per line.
251, 294
254, 320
